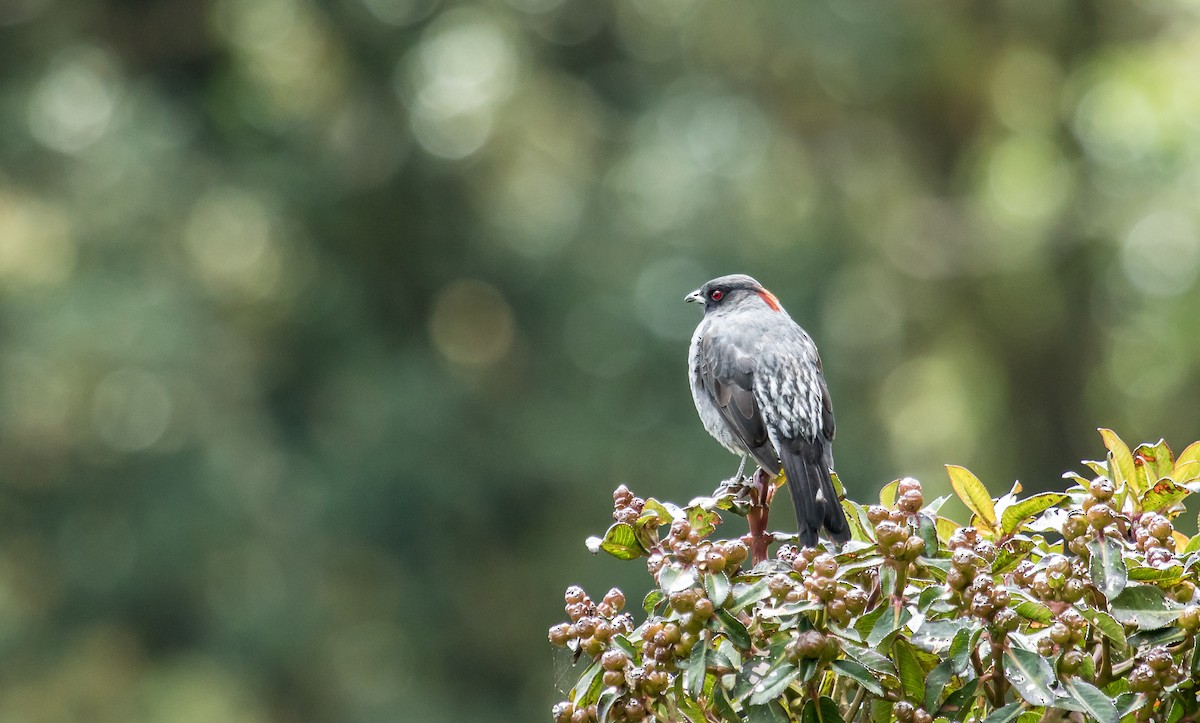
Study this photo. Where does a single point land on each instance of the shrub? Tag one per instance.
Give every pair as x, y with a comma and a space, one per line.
1058, 606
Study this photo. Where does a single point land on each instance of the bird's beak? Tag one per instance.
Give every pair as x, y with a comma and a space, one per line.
695, 296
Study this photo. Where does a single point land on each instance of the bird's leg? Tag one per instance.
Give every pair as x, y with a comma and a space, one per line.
761, 492
741, 468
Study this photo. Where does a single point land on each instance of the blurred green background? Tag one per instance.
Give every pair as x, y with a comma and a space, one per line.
326, 329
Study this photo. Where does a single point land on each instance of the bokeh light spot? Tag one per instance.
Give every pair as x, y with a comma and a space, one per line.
36, 241
400, 12
464, 66
131, 409
1161, 253
229, 237
1024, 89
73, 104
1028, 179
472, 323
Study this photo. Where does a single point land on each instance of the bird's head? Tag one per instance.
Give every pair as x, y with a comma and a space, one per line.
735, 290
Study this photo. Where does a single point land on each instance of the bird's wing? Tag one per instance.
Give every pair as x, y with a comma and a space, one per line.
727, 372
794, 398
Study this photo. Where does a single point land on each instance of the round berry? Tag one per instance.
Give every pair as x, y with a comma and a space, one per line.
910, 502
1189, 618
1045, 647
561, 634
1071, 661
1158, 659
614, 660
1060, 634
1099, 516
1101, 489
825, 566
574, 595
562, 711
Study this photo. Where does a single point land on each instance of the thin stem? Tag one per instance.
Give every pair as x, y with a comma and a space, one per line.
1000, 685
856, 704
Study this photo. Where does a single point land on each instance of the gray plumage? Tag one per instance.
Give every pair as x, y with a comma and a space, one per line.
759, 388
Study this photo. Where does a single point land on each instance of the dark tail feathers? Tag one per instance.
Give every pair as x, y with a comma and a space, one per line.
812, 491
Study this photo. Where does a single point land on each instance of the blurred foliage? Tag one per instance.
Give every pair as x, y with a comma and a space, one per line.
324, 325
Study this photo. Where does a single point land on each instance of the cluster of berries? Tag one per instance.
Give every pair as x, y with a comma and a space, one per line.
626, 507
1096, 507
591, 625
1056, 579
1154, 535
971, 579
818, 583
566, 712
1077, 533
896, 537
1066, 634
686, 545
1153, 672
906, 712
812, 645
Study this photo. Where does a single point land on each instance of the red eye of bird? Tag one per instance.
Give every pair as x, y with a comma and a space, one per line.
716, 294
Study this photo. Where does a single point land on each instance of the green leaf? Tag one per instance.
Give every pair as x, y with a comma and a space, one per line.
769, 713
912, 675
887, 623
871, 659
1020, 511
695, 669
857, 671
960, 651
1097, 704
1188, 455
652, 600
1120, 462
772, 685
822, 711
946, 528
588, 687
928, 531
1105, 623
887, 495
718, 588
1007, 714
1031, 609
673, 578
1107, 567
1155, 458
1186, 473
745, 594
959, 703
936, 682
607, 698
724, 708
1163, 494
1156, 574
866, 622
856, 515
973, 494
1144, 606
733, 629
702, 521
1029, 674
620, 541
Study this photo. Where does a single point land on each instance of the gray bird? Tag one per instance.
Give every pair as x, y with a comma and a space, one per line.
758, 386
